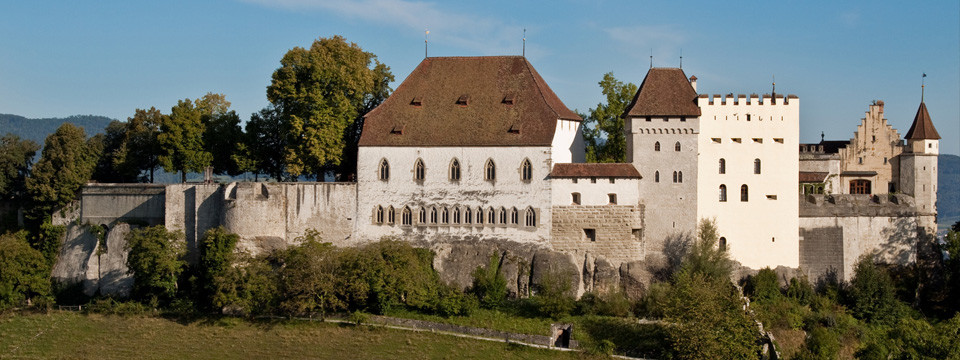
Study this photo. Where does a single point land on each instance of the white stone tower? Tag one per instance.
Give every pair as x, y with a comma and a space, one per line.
918, 167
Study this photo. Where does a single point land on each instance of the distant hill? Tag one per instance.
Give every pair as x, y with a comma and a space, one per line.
948, 190
38, 129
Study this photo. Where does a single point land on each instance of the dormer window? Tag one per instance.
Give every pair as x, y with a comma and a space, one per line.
463, 100
509, 99
397, 130
417, 101
514, 129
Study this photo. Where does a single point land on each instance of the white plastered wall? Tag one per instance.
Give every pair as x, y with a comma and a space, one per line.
762, 231
595, 193
568, 146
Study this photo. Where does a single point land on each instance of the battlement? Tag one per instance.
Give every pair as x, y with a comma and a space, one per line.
847, 205
752, 99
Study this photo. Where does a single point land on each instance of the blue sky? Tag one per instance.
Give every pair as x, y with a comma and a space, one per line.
111, 57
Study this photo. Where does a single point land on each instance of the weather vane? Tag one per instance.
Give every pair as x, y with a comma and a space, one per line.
425, 45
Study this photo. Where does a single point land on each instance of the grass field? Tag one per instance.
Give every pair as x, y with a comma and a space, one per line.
77, 336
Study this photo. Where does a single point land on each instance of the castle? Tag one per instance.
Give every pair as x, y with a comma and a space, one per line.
480, 149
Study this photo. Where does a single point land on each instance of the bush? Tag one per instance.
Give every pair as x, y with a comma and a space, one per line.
763, 286
156, 260
216, 279
800, 290
24, 273
705, 256
553, 297
871, 294
48, 240
489, 285
610, 304
821, 344
450, 301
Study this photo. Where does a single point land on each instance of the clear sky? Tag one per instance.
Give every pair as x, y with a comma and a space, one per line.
60, 58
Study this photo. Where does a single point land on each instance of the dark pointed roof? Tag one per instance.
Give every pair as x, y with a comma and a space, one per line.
468, 101
664, 92
922, 128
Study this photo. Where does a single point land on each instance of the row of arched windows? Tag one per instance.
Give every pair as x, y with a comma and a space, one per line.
723, 166
677, 177
656, 146
744, 193
455, 216
454, 172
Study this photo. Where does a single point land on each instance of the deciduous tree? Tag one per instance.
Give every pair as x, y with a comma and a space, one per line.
16, 155
322, 93
603, 128
181, 137
24, 274
155, 260
143, 149
66, 163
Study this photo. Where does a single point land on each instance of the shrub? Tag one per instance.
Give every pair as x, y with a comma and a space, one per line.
308, 281
24, 273
609, 304
763, 286
871, 293
800, 290
450, 301
217, 280
489, 285
705, 256
155, 259
553, 297
48, 240
821, 344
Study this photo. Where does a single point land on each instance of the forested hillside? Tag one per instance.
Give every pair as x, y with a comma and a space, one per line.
38, 129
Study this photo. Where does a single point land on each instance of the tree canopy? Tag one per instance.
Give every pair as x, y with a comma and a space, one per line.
603, 128
321, 94
16, 155
182, 134
66, 163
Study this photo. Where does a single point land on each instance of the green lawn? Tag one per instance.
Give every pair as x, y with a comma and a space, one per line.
71, 335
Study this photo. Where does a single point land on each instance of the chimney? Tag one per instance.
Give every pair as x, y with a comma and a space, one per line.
693, 82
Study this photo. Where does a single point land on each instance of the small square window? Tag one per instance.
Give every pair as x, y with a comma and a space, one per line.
648, 119
778, 140
593, 180
613, 180
575, 198
590, 234
716, 140
612, 198
736, 140
575, 180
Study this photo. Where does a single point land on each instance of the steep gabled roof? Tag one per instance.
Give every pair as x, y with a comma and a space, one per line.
664, 92
618, 170
468, 101
922, 128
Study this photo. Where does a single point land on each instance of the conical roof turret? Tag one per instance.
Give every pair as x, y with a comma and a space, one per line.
922, 128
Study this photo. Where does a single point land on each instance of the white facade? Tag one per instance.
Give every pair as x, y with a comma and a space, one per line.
568, 146
437, 191
593, 191
759, 229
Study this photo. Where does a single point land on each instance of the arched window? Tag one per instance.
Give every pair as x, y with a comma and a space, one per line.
455, 170
674, 176
676, 146
503, 215
445, 216
723, 166
656, 146
433, 215
680, 176
384, 170
467, 216
656, 177
514, 216
379, 214
756, 166
526, 170
744, 193
422, 218
492, 216
406, 217
456, 215
419, 171
723, 193
391, 216
490, 171
531, 217
480, 216
723, 244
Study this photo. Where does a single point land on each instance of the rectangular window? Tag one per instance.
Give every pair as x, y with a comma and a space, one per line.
613, 181
593, 180
771, 197
637, 234
758, 140
778, 140
716, 140
590, 234
612, 198
736, 140
574, 180
575, 198
648, 119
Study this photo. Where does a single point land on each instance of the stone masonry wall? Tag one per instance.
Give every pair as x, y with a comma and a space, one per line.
618, 231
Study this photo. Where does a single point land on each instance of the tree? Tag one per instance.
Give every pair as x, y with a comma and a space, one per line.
705, 257
66, 163
155, 260
181, 137
489, 285
322, 94
308, 280
114, 165
216, 261
603, 131
24, 274
264, 144
143, 148
16, 155
871, 294
222, 138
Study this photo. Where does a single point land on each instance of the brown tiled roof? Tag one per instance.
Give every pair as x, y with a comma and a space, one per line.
468, 101
812, 176
618, 170
664, 92
922, 128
